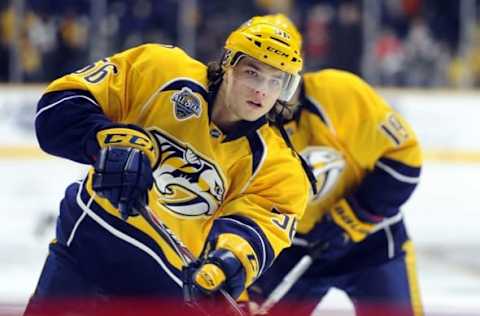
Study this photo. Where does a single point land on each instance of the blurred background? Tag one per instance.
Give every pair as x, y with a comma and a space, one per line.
413, 43
423, 56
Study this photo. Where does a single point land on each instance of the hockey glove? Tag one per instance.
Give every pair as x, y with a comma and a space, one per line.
344, 225
129, 136
123, 168
219, 270
123, 176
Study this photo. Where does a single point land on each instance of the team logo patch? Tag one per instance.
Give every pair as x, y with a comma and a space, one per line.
187, 183
186, 104
327, 165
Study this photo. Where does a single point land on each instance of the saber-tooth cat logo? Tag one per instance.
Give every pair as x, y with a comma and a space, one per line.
188, 184
186, 104
327, 164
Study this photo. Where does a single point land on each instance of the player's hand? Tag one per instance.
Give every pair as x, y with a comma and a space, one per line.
340, 228
123, 176
203, 278
129, 136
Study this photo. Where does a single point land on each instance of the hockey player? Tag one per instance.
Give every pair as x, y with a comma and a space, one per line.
367, 160
190, 141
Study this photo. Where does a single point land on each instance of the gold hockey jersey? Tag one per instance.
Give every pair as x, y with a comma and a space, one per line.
246, 186
356, 144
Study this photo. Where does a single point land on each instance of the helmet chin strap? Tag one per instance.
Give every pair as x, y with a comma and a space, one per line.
228, 61
236, 59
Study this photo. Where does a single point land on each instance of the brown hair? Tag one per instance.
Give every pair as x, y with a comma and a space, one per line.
214, 74
282, 109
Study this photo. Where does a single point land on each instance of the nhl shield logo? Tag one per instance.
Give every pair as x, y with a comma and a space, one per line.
186, 104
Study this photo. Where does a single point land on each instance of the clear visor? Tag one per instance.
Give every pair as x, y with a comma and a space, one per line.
289, 87
286, 83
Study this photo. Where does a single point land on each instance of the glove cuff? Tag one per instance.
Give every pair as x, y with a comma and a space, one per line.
209, 277
361, 212
129, 136
232, 268
345, 217
244, 253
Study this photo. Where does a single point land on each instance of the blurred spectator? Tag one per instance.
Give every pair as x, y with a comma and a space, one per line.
425, 58
397, 14
217, 19
467, 67
317, 35
29, 38
42, 36
346, 34
73, 35
415, 40
275, 6
442, 18
5, 40
475, 57
30, 55
390, 54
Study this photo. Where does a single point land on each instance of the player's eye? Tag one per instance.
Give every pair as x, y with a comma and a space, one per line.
251, 72
275, 82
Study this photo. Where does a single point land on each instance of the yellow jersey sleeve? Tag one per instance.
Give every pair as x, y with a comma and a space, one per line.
125, 83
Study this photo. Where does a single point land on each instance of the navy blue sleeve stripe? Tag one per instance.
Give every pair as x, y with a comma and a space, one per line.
178, 84
248, 230
401, 167
42, 107
398, 170
385, 189
66, 124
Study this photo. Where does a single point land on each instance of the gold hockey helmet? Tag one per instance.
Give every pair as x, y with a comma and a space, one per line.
285, 23
271, 39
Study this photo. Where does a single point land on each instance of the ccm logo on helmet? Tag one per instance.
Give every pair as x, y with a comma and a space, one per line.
277, 51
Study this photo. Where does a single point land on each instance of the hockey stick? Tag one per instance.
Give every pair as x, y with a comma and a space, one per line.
291, 278
182, 251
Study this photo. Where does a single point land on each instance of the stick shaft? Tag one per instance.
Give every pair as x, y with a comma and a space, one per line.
288, 281
182, 251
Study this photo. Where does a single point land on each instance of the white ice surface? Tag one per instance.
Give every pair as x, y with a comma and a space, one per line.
443, 218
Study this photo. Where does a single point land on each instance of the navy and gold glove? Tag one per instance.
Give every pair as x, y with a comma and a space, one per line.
340, 228
123, 168
123, 176
219, 270
129, 136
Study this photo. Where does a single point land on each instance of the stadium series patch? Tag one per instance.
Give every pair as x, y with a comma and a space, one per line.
186, 104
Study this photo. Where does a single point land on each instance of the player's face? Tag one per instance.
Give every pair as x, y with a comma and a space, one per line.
254, 88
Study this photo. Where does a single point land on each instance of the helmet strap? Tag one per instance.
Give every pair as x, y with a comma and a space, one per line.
228, 60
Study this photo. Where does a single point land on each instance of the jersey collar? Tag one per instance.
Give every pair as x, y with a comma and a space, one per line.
245, 128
